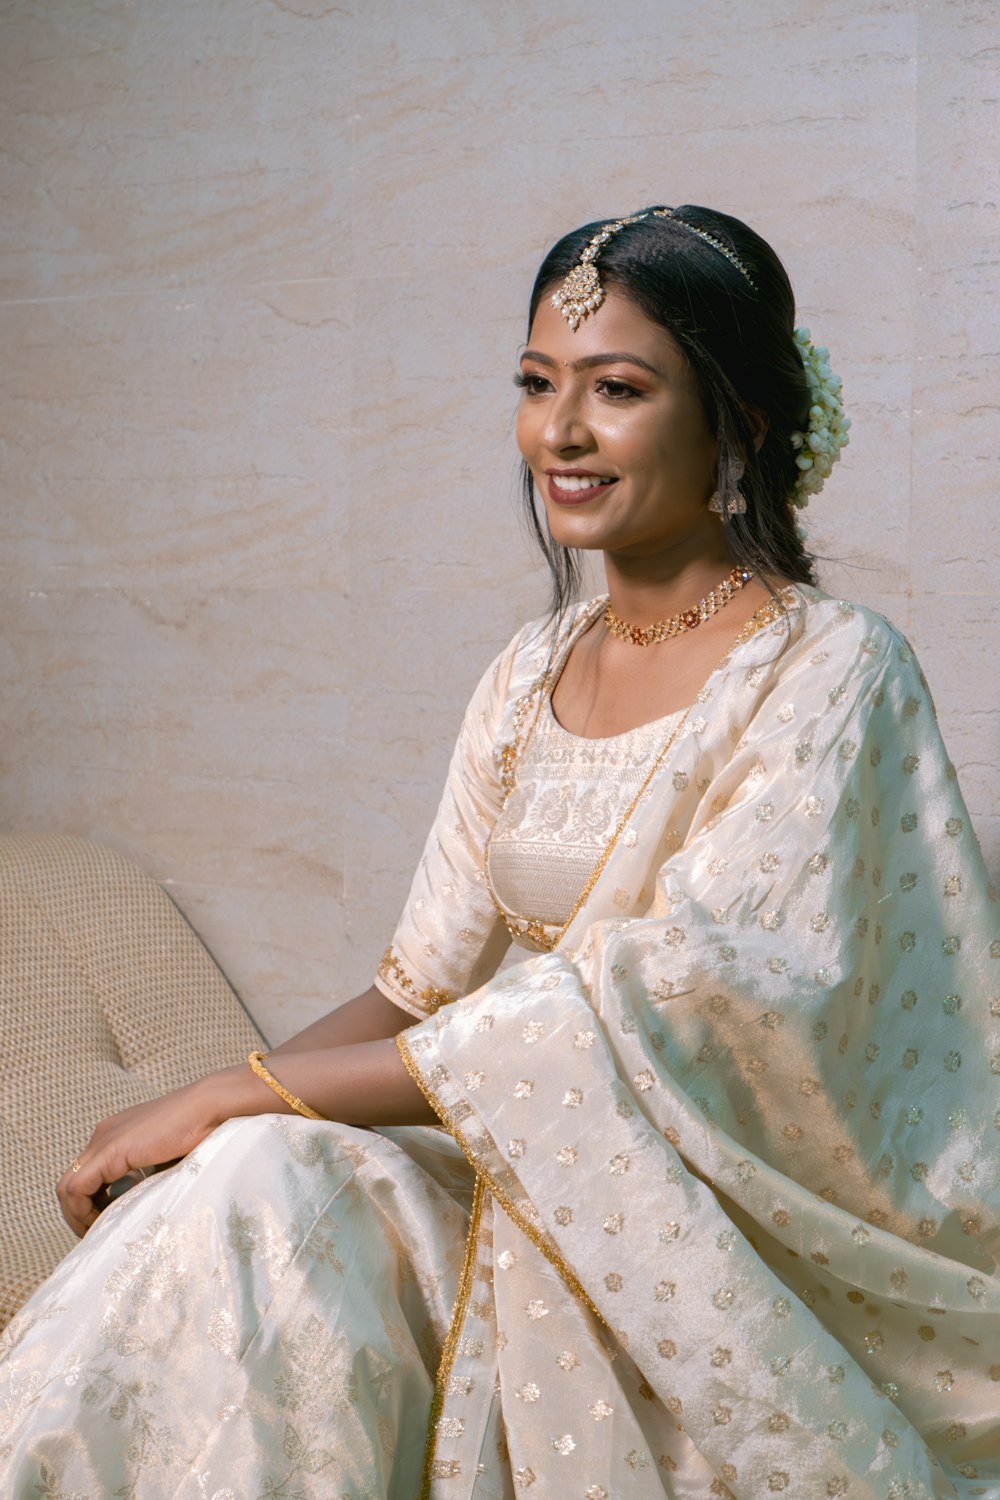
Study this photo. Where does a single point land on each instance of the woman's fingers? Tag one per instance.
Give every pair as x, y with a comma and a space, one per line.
107, 1156
146, 1135
76, 1189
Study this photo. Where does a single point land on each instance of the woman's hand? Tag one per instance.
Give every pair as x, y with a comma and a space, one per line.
166, 1129
147, 1135
362, 1083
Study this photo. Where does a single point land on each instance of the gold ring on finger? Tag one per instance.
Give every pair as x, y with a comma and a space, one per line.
77, 1164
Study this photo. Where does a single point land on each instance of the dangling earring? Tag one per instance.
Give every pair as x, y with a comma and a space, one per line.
737, 506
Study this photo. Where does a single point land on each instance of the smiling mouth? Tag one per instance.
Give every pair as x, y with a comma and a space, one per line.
574, 489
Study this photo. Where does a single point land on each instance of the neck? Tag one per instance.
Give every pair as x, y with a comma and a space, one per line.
643, 590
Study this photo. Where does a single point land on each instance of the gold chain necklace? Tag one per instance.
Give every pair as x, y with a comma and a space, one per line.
686, 619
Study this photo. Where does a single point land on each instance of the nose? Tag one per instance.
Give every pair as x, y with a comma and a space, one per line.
566, 425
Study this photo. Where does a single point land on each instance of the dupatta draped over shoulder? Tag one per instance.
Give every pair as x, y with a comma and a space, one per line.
737, 1136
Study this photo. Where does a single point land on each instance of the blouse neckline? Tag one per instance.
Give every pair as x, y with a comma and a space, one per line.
653, 728
591, 611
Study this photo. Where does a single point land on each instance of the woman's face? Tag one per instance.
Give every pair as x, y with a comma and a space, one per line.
612, 426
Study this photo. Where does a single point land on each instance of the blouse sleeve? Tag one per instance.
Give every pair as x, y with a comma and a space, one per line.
450, 939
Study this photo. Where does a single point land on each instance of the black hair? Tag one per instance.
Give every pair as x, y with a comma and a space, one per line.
737, 332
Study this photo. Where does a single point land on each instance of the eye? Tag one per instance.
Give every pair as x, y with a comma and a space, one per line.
617, 390
535, 385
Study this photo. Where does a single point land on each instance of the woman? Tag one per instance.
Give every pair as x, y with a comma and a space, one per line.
717, 1209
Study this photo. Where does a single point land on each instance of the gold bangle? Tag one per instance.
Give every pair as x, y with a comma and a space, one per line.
256, 1061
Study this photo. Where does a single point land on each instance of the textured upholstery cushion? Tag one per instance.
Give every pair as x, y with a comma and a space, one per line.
107, 998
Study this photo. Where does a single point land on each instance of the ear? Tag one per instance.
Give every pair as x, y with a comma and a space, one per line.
760, 422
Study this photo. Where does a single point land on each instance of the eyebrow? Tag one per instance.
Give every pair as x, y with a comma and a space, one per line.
590, 360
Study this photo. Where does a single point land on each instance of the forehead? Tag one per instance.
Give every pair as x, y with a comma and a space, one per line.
617, 326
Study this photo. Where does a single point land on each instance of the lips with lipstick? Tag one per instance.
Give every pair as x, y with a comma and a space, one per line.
576, 486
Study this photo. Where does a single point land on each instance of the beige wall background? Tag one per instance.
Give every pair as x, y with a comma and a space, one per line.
263, 271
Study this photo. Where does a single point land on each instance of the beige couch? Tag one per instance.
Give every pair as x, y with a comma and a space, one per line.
107, 998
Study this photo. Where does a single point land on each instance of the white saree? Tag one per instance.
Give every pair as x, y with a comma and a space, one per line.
736, 1142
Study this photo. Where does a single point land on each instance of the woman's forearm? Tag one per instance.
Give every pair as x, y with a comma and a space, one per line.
361, 1083
366, 1018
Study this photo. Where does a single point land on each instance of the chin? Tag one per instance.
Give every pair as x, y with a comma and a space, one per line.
585, 533
578, 541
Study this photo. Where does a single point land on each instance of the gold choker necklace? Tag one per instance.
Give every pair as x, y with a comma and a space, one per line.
687, 619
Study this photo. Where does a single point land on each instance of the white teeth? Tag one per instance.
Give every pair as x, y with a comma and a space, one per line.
573, 482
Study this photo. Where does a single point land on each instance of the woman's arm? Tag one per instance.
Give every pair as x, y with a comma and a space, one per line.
355, 1082
346, 1065
367, 1018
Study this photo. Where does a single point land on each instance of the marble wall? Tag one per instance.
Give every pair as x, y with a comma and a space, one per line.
263, 269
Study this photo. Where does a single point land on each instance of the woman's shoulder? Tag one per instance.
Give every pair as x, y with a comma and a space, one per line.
820, 643
519, 674
817, 617
541, 643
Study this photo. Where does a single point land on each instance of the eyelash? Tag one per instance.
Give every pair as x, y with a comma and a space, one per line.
615, 390
625, 391
526, 382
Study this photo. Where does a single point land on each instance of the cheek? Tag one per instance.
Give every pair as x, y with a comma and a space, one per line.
524, 431
652, 447
687, 443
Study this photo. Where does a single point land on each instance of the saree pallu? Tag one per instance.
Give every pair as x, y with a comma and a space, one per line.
741, 1129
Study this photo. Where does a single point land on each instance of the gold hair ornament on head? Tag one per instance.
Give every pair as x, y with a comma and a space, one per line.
710, 239
686, 619
581, 293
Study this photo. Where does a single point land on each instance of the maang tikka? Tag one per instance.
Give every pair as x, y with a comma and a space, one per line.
581, 292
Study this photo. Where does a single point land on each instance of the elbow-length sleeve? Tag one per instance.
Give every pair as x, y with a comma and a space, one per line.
754, 1124
450, 938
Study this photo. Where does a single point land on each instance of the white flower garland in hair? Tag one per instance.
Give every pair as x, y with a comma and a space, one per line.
817, 449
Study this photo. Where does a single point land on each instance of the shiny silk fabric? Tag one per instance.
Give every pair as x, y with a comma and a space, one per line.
262, 1322
735, 1147
741, 1129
